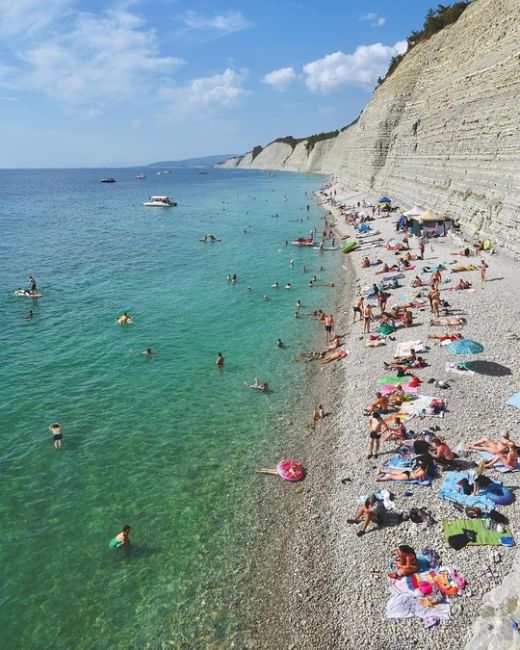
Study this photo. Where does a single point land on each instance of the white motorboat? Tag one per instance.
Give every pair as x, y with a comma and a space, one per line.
160, 202
141, 176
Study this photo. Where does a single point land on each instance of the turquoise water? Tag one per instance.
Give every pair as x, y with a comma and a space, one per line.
167, 444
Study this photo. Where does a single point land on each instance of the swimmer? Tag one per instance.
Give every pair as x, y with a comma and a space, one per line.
249, 289
279, 343
122, 539
234, 278
288, 285
257, 384
291, 263
29, 314
148, 352
265, 297
124, 318
32, 284
220, 360
55, 429
275, 285
298, 304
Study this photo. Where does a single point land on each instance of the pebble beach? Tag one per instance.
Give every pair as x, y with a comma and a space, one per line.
325, 586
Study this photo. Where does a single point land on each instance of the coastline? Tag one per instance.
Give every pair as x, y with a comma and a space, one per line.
318, 584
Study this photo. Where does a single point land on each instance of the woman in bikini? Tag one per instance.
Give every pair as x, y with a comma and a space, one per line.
395, 474
367, 318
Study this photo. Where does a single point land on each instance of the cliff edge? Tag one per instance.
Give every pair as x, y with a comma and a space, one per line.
441, 131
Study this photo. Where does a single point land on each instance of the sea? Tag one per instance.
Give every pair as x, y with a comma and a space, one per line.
168, 444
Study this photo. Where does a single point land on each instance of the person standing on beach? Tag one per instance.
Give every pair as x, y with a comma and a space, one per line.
376, 426
435, 279
220, 360
359, 303
421, 248
367, 318
329, 326
482, 268
435, 302
382, 299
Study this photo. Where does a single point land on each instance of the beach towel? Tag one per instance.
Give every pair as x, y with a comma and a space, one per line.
500, 467
459, 268
450, 491
514, 400
425, 406
394, 379
395, 276
375, 343
390, 418
404, 349
407, 605
407, 389
485, 536
455, 369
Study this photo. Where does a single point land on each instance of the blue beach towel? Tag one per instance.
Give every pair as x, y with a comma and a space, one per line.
500, 467
450, 491
514, 400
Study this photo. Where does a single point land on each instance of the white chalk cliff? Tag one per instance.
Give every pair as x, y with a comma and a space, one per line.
442, 131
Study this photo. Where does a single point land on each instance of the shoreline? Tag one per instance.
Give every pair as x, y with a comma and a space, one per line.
324, 590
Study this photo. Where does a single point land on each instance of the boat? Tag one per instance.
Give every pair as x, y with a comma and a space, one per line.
303, 241
107, 180
160, 202
141, 176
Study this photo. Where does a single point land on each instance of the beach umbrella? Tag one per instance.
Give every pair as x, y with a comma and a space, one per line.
383, 199
464, 346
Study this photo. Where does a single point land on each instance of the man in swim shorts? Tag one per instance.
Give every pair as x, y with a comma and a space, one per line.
358, 307
57, 436
122, 539
329, 324
376, 426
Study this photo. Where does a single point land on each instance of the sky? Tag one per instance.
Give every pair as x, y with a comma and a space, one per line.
92, 83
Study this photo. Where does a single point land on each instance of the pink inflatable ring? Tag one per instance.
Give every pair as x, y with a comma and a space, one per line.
290, 470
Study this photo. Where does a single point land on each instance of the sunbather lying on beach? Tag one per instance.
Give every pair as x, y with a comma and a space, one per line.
334, 344
454, 321
465, 252
373, 509
396, 474
504, 451
334, 355
406, 364
460, 286
447, 336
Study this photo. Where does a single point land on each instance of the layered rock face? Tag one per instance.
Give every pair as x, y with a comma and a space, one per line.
443, 131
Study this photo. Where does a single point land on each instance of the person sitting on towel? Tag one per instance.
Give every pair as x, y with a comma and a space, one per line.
404, 562
441, 452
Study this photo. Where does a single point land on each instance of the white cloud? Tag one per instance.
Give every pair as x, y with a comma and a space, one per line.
280, 78
98, 59
373, 19
361, 68
28, 17
203, 96
224, 23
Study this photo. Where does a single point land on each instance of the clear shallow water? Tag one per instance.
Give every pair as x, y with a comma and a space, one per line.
167, 444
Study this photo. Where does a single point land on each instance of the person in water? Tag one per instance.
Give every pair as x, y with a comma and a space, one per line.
279, 343
57, 436
220, 360
122, 539
29, 314
147, 353
258, 385
32, 284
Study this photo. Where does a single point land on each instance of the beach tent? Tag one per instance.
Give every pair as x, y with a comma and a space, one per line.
431, 223
414, 212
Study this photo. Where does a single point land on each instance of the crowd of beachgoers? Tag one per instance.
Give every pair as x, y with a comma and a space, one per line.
409, 469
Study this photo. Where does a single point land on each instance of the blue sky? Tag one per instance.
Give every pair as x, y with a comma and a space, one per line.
93, 83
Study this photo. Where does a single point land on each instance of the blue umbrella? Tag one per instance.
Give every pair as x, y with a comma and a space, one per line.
383, 199
464, 346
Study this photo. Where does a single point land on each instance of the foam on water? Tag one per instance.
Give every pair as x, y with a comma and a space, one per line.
169, 443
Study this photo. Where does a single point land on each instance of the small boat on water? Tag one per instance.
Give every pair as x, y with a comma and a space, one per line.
160, 202
303, 241
107, 180
141, 176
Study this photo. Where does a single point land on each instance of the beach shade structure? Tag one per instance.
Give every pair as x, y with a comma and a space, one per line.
464, 346
349, 245
384, 199
287, 468
364, 227
414, 212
